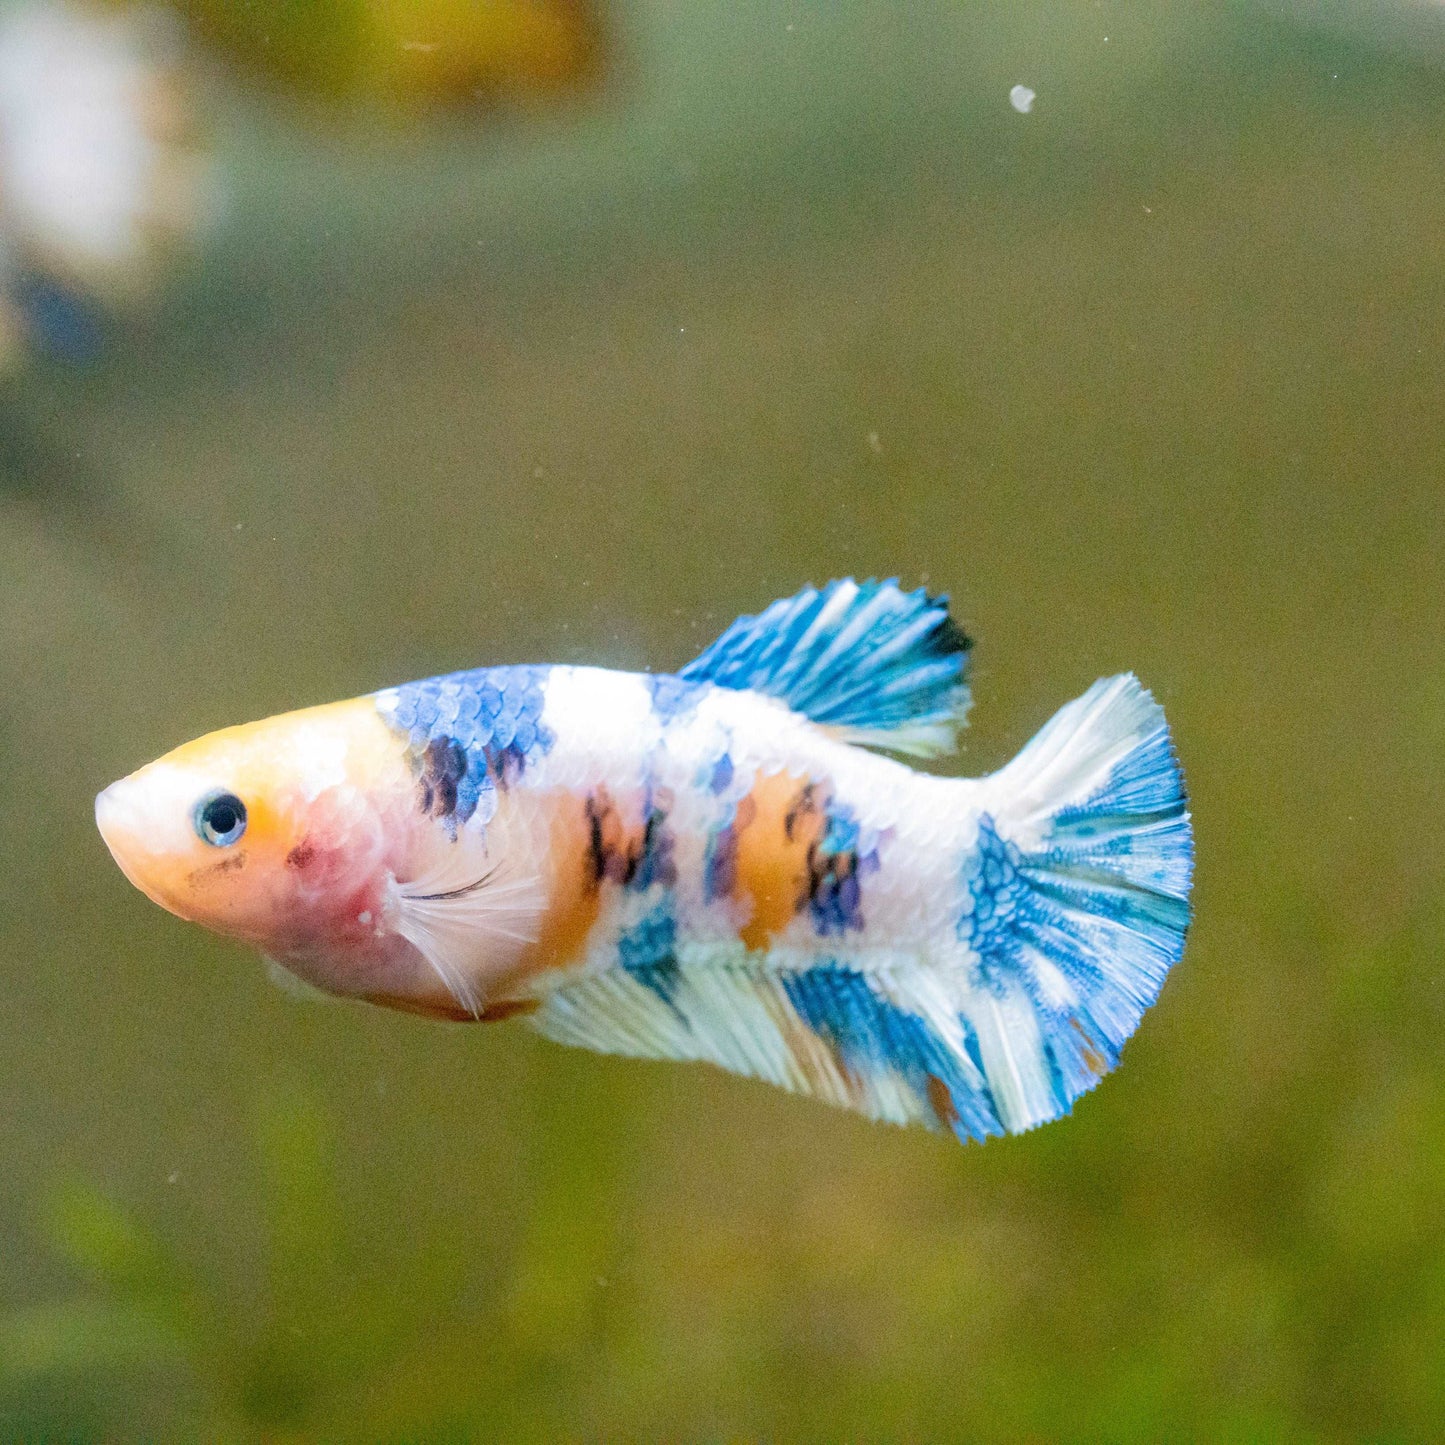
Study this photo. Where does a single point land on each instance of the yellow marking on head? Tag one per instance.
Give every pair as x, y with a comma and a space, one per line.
317, 746
296, 774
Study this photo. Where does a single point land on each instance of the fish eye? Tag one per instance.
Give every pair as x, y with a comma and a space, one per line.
220, 819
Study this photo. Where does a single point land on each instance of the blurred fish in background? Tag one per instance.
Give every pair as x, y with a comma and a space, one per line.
412, 52
111, 182
103, 174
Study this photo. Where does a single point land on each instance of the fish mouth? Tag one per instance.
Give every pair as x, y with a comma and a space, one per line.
125, 816
113, 817
116, 818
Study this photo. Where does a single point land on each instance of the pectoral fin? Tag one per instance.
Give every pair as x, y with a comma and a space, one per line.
470, 919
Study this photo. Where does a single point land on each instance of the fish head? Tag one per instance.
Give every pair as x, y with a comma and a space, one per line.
268, 832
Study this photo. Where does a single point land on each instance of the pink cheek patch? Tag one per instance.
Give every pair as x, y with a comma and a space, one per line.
340, 845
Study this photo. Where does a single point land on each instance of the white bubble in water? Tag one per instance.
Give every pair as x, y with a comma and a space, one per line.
1022, 99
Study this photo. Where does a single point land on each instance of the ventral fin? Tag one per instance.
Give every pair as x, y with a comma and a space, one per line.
879, 665
470, 918
288, 983
454, 1013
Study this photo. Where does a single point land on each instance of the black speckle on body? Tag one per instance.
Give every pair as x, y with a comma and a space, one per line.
200, 877
633, 854
443, 767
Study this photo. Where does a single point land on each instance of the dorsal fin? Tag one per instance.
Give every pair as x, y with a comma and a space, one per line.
882, 666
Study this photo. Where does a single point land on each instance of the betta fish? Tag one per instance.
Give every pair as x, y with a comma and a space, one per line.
718, 864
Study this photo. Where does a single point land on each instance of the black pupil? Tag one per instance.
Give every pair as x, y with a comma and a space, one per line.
224, 814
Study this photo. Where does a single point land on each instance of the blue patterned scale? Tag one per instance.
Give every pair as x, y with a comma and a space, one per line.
470, 733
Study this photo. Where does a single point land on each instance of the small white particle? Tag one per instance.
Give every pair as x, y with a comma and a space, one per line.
173, 1177
364, 917
1022, 99
874, 443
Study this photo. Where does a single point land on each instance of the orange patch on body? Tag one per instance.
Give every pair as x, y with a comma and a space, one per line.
576, 900
782, 824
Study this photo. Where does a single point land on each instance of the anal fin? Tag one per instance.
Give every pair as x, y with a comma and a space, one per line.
877, 1041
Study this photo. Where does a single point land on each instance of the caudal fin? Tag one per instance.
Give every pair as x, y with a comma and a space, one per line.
1076, 901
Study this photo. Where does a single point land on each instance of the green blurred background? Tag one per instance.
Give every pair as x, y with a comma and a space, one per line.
1149, 377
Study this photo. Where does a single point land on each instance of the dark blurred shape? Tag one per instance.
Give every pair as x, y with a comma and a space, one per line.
75, 498
411, 51
59, 322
